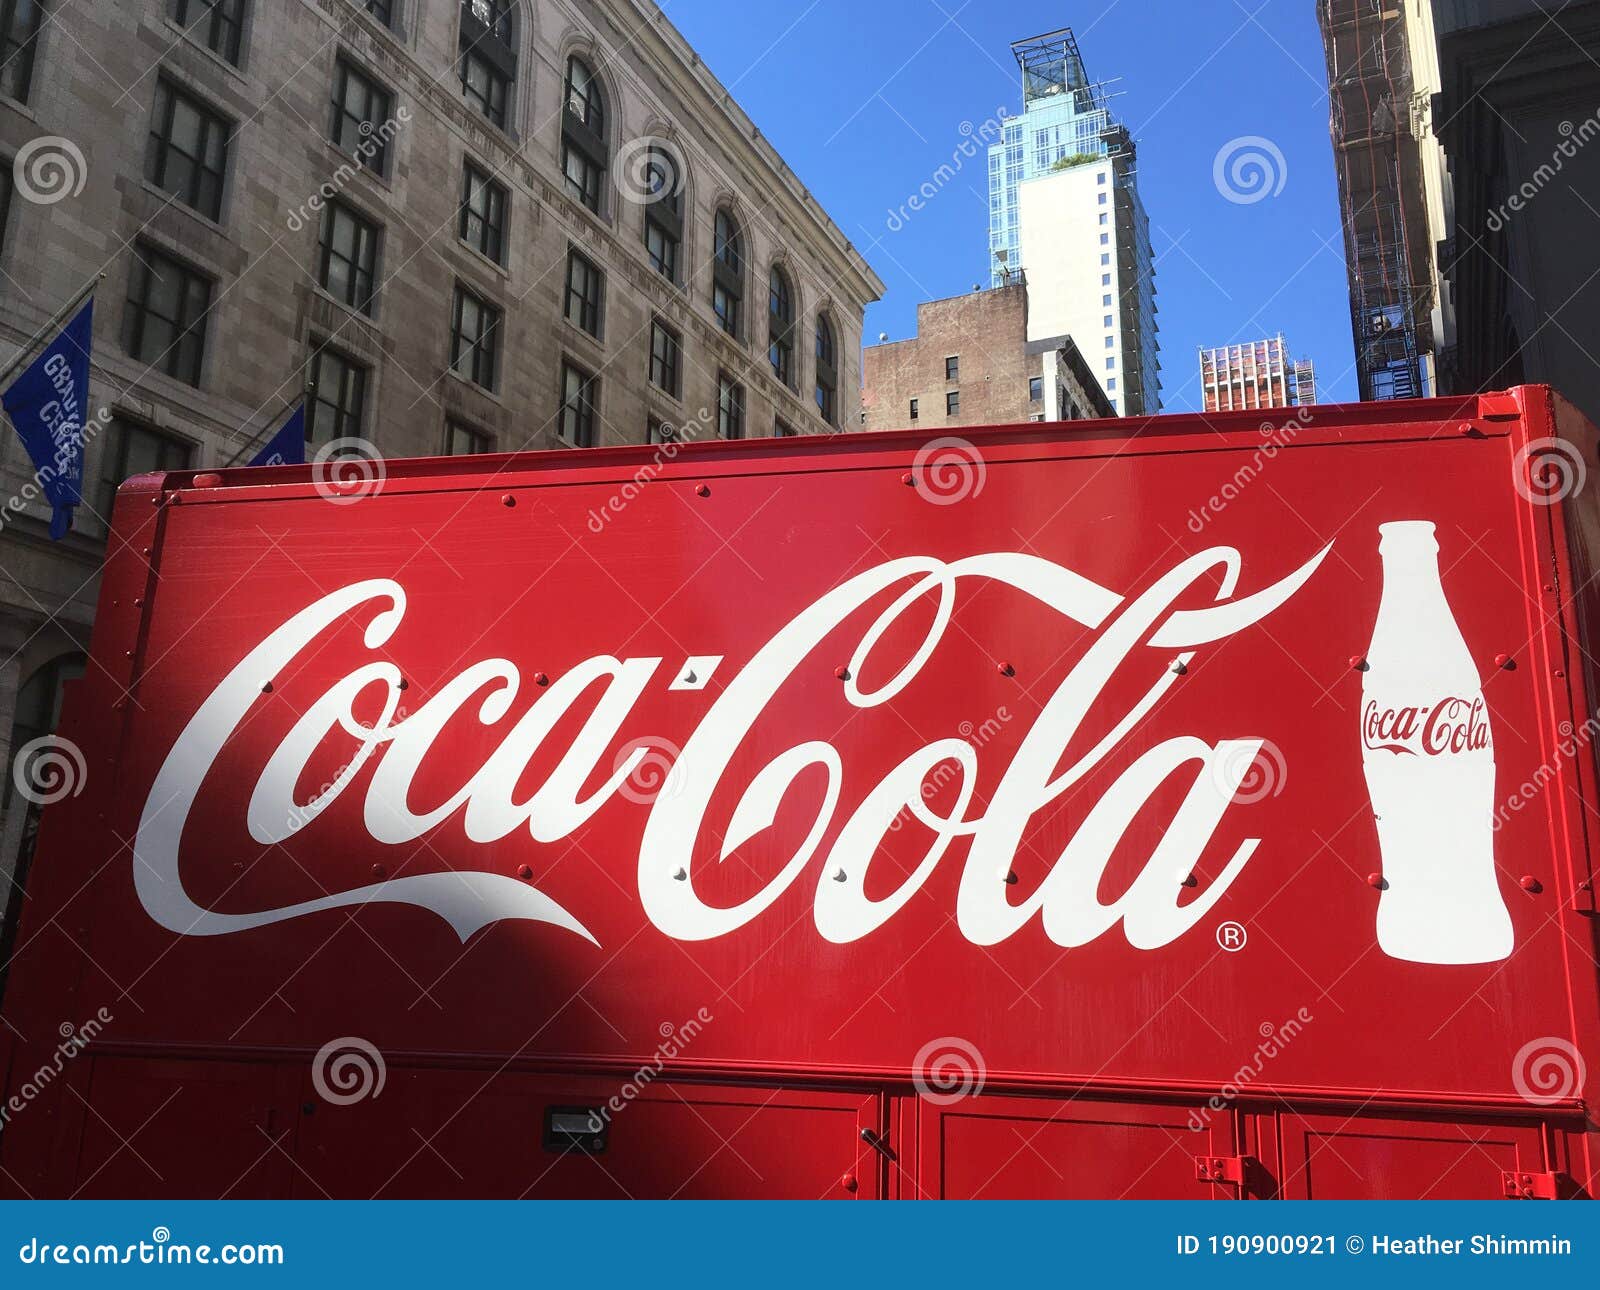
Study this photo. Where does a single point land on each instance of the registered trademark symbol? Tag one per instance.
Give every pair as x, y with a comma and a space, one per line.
1232, 937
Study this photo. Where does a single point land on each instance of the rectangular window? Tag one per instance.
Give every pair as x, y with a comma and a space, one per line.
1105, 279
19, 36
1108, 320
462, 440
1111, 364
187, 151
1104, 258
913, 409
133, 449
475, 338
1110, 341
725, 304
584, 286
1105, 300
1105, 239
1100, 177
781, 429
580, 393
582, 175
1111, 382
338, 402
952, 403
1102, 197
1035, 388
952, 369
218, 23
730, 407
665, 357
658, 431
347, 258
483, 214
362, 111
1102, 215
164, 324
382, 10
485, 86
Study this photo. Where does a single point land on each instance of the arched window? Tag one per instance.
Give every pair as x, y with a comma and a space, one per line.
585, 152
780, 326
827, 372
727, 273
489, 57
663, 211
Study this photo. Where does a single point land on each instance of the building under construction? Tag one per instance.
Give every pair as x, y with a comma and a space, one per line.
1381, 195
1257, 374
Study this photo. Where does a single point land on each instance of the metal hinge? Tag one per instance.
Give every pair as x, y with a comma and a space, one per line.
1530, 1186
1236, 1170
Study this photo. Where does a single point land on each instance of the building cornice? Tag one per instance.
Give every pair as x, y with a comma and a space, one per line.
722, 109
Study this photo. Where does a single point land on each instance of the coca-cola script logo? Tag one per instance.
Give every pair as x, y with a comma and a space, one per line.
1134, 636
1451, 725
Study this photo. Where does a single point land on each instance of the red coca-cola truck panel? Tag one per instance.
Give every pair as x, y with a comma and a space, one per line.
1222, 762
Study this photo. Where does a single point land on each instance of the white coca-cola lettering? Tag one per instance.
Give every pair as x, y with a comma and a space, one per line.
1141, 635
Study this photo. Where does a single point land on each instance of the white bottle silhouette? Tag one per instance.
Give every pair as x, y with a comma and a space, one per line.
1429, 760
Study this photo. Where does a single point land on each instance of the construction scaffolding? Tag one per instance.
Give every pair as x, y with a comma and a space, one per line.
1380, 195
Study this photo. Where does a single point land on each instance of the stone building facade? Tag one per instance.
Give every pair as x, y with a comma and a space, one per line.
482, 225
971, 364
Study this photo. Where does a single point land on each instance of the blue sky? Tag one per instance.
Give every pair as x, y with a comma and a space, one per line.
867, 98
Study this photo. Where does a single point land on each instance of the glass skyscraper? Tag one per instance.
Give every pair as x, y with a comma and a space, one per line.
1097, 277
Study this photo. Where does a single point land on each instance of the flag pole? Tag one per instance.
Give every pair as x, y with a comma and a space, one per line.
60, 317
273, 425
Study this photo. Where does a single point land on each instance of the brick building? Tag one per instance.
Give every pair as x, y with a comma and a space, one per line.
475, 226
971, 363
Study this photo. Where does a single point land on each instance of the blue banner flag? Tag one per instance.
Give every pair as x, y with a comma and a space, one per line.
49, 404
288, 446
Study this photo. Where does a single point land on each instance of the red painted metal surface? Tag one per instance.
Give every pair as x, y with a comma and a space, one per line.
571, 683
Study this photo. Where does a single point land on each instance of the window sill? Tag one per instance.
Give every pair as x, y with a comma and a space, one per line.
367, 320
485, 261
20, 107
345, 158
588, 337
182, 37
171, 201
467, 383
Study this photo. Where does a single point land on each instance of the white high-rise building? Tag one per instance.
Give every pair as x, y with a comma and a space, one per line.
1064, 211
